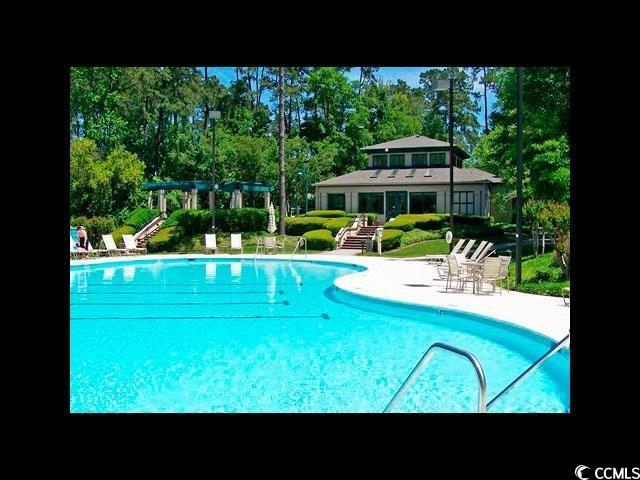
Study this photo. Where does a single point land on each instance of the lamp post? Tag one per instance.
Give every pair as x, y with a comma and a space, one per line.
441, 86
519, 81
213, 115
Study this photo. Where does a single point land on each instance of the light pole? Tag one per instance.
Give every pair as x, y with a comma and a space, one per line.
306, 189
213, 115
519, 81
441, 86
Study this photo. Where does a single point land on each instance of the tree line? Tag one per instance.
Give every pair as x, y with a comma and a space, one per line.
154, 119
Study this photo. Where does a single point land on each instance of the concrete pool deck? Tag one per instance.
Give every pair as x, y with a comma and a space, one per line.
416, 282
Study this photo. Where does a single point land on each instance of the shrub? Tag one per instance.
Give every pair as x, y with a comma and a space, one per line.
391, 238
227, 220
471, 220
335, 224
416, 235
140, 217
326, 213
477, 231
301, 225
402, 222
124, 230
320, 240
430, 221
165, 240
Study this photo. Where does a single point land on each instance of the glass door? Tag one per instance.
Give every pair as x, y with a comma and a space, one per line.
396, 204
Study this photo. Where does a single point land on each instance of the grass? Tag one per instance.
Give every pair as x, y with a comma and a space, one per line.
427, 247
540, 275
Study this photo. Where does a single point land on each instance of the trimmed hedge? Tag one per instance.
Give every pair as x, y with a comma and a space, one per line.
326, 213
391, 239
416, 235
300, 225
434, 221
140, 217
227, 220
124, 230
335, 224
320, 240
165, 240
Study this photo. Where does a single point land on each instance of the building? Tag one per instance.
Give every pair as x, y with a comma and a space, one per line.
409, 175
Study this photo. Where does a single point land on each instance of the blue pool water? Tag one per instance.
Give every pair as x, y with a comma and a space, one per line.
214, 335
74, 233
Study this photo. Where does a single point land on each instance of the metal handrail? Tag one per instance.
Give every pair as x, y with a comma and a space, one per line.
301, 239
532, 368
420, 366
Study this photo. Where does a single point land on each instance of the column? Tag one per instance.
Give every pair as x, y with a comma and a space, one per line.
162, 205
239, 199
185, 200
150, 199
267, 199
194, 198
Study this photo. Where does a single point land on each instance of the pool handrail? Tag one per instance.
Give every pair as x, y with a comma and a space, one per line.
422, 363
532, 368
301, 239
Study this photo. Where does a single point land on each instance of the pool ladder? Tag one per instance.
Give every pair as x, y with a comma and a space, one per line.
300, 240
483, 406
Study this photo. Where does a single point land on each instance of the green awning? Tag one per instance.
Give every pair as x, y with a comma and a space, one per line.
201, 186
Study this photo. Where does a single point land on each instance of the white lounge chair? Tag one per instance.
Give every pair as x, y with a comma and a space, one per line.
73, 248
442, 257
236, 242
504, 269
485, 253
466, 249
130, 244
111, 247
210, 242
478, 251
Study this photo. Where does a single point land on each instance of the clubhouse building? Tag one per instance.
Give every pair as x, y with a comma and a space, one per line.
409, 175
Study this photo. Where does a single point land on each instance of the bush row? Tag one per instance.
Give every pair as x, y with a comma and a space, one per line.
416, 235
326, 213
320, 240
391, 239
124, 230
434, 221
233, 220
95, 227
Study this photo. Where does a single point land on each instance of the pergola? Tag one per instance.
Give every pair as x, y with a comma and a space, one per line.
190, 189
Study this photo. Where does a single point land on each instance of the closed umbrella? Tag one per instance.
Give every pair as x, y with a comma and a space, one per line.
272, 219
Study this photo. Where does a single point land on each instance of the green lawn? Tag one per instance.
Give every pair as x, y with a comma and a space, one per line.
540, 275
427, 247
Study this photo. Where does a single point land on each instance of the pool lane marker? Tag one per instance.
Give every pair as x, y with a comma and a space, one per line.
281, 292
202, 317
285, 302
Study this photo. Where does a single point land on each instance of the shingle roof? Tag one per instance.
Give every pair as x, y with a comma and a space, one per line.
414, 141
436, 176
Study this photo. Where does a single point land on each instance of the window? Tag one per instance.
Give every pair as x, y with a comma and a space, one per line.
335, 201
376, 173
371, 202
437, 159
411, 173
393, 173
463, 203
379, 160
422, 202
396, 160
396, 203
419, 160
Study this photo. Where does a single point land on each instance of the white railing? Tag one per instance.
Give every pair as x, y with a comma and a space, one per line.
345, 232
148, 227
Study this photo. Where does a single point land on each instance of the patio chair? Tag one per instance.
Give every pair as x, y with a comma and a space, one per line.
504, 270
210, 242
272, 244
457, 273
130, 244
442, 257
236, 242
566, 291
489, 273
111, 247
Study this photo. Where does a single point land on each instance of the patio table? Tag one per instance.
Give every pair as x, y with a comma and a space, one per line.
472, 267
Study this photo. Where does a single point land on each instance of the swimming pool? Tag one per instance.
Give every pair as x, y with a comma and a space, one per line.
225, 335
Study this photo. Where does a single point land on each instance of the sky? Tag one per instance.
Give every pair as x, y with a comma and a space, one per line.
411, 75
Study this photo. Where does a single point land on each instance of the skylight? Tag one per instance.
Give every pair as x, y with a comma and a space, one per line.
411, 172
393, 173
377, 172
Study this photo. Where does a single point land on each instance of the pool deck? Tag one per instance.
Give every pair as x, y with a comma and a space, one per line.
416, 282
